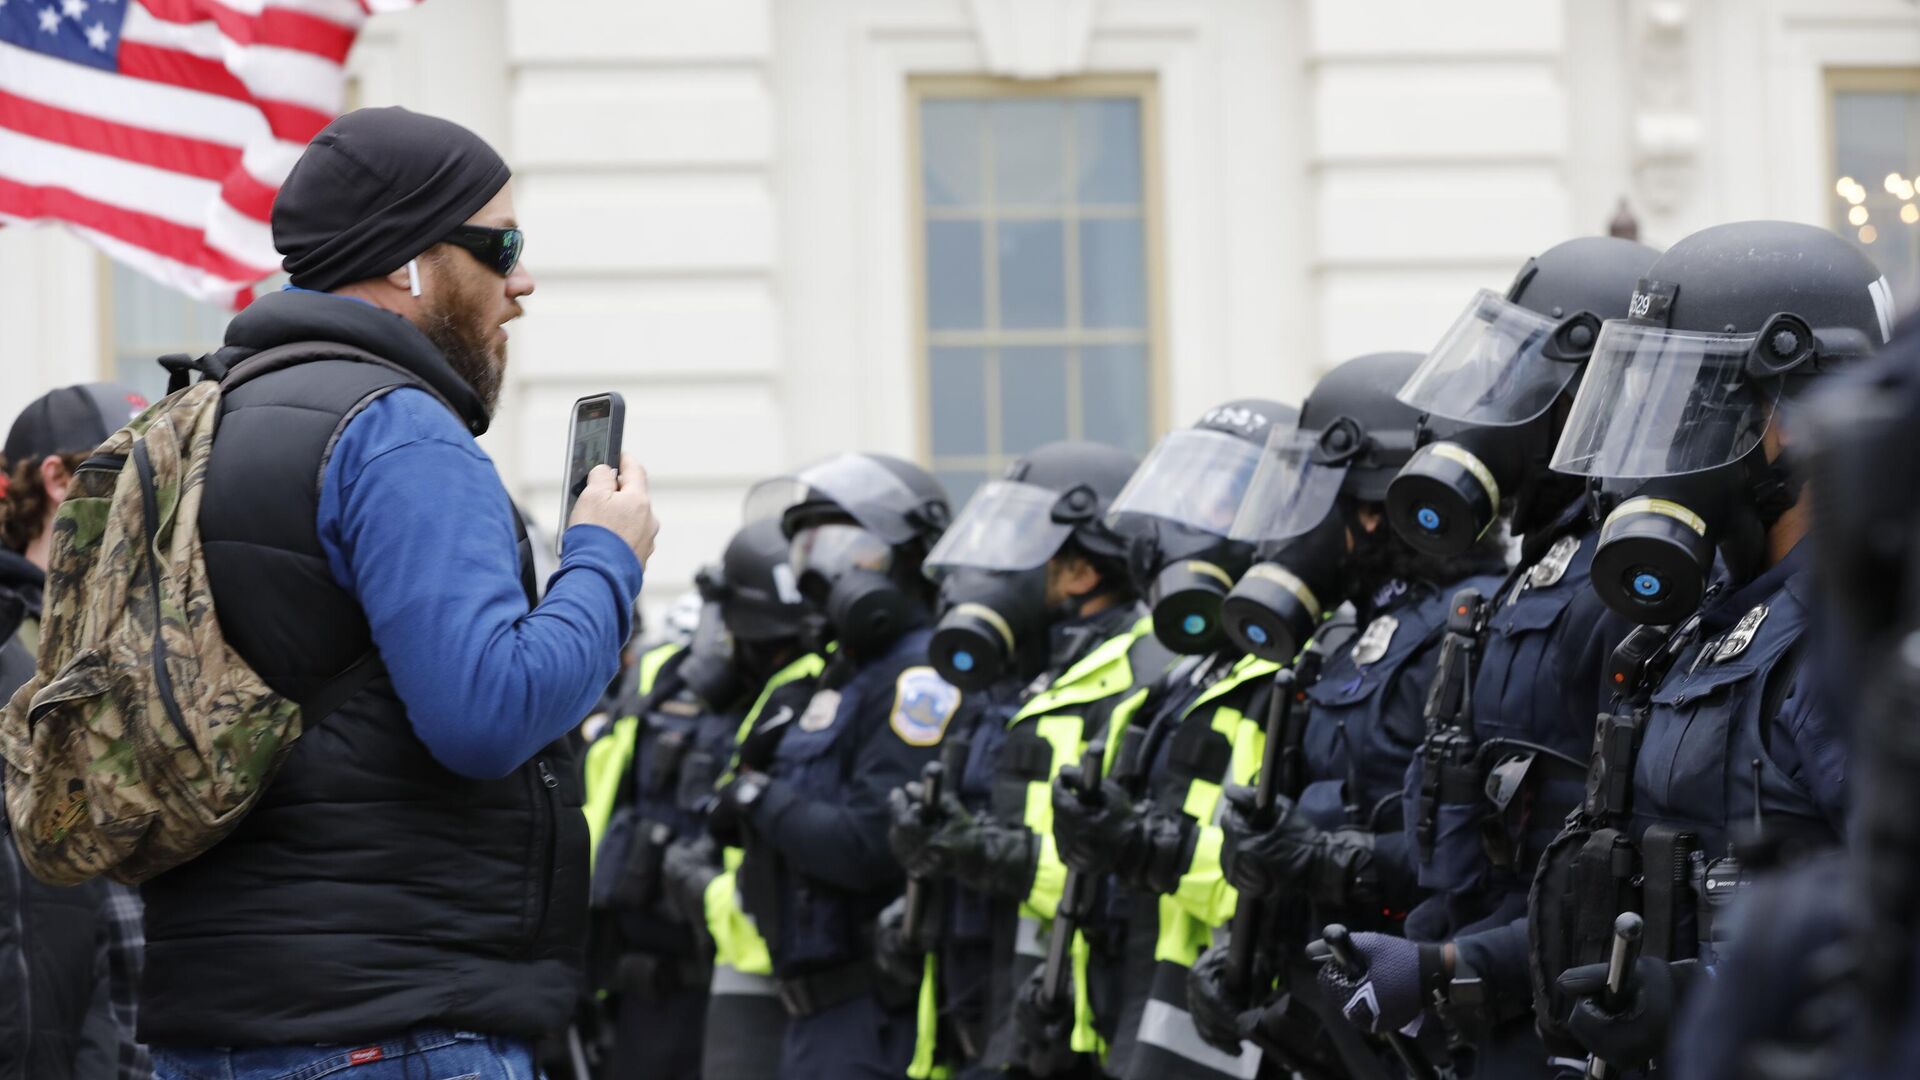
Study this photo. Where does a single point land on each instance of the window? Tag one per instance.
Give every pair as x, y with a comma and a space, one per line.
150, 320
1876, 158
1037, 301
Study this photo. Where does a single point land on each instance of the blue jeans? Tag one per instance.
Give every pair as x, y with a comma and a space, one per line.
418, 1055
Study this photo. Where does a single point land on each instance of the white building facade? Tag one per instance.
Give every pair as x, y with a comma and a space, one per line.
952, 229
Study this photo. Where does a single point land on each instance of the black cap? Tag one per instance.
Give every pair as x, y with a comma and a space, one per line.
378, 187
72, 419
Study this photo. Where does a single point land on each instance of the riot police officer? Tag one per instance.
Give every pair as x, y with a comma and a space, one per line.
1042, 628
1337, 843
1521, 683
1818, 981
649, 782
809, 797
1146, 826
1688, 405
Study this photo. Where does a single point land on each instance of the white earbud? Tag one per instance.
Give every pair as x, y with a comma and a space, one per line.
413, 278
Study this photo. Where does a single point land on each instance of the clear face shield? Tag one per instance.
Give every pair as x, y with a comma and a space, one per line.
860, 486
1194, 478
1659, 402
1499, 364
1006, 526
1294, 488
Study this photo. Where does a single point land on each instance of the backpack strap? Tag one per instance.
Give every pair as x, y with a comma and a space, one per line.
327, 700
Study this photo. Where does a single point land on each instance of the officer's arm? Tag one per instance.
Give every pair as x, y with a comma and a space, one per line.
1810, 750
1498, 956
844, 841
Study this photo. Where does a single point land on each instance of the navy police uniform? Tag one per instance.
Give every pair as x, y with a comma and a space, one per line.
818, 869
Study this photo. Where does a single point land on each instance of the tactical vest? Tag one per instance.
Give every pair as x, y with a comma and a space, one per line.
1049, 730
371, 890
1218, 739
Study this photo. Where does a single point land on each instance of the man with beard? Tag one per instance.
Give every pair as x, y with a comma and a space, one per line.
408, 894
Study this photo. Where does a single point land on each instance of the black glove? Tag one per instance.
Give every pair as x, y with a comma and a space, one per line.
1392, 994
1042, 1029
988, 857
757, 749
728, 814
1096, 835
900, 960
686, 870
1637, 1033
1224, 1019
1333, 868
1163, 853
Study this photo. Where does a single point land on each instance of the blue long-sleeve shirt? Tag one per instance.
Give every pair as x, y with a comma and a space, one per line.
417, 526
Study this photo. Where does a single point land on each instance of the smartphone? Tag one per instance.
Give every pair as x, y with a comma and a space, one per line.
593, 438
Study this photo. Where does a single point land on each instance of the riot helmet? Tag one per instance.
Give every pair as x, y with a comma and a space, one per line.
857, 527
1352, 439
1178, 510
1676, 403
1499, 373
991, 565
751, 615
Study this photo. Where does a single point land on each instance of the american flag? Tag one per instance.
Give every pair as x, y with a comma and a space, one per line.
160, 130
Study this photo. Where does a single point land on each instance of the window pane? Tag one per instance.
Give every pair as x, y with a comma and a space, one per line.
1033, 397
1113, 274
1114, 406
951, 144
956, 282
1029, 152
957, 383
1033, 293
1877, 147
960, 485
1106, 146
151, 320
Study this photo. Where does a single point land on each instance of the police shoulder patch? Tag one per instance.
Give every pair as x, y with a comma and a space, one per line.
923, 703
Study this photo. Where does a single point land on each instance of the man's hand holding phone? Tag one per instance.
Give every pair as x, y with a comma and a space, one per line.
621, 504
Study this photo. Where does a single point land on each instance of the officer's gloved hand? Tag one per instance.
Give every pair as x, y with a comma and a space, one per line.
686, 870
1162, 853
1331, 867
1392, 995
900, 960
728, 814
1042, 1028
1224, 1019
757, 749
953, 843
1637, 1033
1098, 833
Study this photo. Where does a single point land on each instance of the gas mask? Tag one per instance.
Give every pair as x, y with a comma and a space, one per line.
1177, 512
994, 626
1656, 550
1279, 603
1185, 574
711, 668
845, 573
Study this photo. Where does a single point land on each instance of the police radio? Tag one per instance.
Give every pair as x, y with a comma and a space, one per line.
1449, 768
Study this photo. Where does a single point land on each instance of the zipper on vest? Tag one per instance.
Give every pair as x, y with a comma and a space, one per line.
545, 884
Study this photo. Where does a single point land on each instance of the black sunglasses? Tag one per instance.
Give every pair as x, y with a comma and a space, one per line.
499, 249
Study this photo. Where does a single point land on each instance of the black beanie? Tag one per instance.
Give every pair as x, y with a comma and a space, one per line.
378, 187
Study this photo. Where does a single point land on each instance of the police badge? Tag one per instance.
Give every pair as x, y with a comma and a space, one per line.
1553, 565
821, 710
1741, 635
1375, 639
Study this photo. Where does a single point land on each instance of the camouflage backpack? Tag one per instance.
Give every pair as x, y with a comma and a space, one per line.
142, 738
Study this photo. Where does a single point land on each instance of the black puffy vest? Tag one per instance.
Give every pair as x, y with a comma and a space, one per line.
371, 891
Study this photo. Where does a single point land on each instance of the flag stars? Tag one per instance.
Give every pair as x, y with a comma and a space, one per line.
49, 20
74, 9
98, 36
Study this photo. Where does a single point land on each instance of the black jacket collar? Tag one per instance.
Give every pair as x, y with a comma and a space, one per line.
282, 318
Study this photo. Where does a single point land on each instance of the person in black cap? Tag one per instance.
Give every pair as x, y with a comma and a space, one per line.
70, 967
408, 896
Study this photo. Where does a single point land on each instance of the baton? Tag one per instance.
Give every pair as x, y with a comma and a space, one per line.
1266, 795
1626, 951
1066, 914
919, 888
